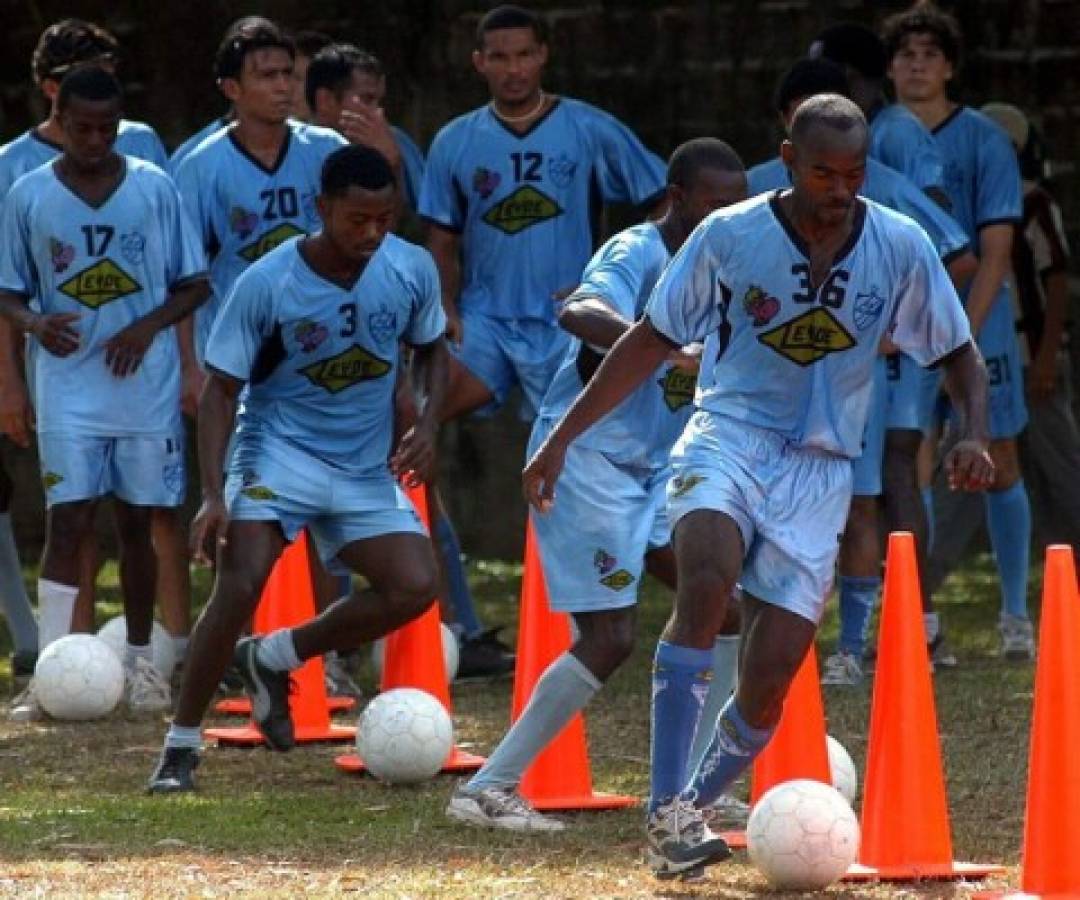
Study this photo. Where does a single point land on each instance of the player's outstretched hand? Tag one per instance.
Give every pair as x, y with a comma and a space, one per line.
687, 359
367, 125
16, 413
56, 332
969, 467
414, 458
539, 477
208, 530
125, 350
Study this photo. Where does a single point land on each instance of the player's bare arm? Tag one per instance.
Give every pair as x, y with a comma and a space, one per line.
56, 332
192, 377
968, 463
125, 350
995, 256
16, 411
634, 357
1042, 375
415, 453
217, 415
598, 325
445, 246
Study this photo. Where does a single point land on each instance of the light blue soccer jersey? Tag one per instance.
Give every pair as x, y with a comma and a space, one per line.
112, 264
525, 204
243, 210
643, 427
900, 140
30, 150
184, 150
320, 360
782, 356
412, 164
885, 186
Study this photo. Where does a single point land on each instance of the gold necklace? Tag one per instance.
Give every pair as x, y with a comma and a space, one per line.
525, 116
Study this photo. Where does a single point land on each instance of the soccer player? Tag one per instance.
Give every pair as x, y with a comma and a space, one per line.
97, 262
510, 194
313, 331
307, 44
792, 293
345, 89
609, 523
860, 550
982, 181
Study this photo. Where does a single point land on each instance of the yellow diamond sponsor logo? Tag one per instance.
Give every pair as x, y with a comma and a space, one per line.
684, 484
51, 479
617, 580
346, 369
807, 338
258, 492
102, 283
678, 387
522, 209
270, 240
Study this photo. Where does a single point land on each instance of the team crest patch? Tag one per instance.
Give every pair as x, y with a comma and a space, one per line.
243, 222
270, 240
809, 337
522, 209
172, 476
346, 369
684, 484
61, 254
50, 480
383, 325
132, 246
604, 562
867, 309
678, 387
561, 170
310, 335
761, 308
484, 182
100, 284
258, 492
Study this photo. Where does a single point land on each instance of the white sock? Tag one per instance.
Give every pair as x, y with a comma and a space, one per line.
133, 652
184, 736
180, 645
932, 626
278, 652
56, 603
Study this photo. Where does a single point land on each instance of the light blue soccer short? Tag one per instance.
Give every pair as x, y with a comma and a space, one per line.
605, 518
912, 394
866, 468
142, 470
270, 481
790, 504
505, 352
1001, 350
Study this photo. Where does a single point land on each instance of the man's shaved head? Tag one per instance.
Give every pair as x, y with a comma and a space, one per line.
828, 112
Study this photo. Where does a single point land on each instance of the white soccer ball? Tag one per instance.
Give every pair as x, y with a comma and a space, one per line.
405, 735
449, 650
162, 652
845, 777
78, 677
802, 835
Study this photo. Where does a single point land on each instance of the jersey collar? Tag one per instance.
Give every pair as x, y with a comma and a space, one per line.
796, 238
282, 153
521, 135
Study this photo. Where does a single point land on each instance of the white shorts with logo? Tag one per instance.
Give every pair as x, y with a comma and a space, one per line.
606, 517
142, 470
790, 504
269, 480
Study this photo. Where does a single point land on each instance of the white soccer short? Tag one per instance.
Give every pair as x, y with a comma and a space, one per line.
790, 504
594, 539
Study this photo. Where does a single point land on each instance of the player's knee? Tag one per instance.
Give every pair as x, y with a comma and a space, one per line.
416, 589
68, 524
616, 641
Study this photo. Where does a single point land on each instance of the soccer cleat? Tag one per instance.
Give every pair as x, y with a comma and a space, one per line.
726, 811
339, 682
941, 656
269, 693
25, 706
484, 656
1017, 638
22, 669
679, 841
497, 807
175, 771
145, 690
842, 668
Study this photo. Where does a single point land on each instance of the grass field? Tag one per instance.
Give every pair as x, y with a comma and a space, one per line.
74, 820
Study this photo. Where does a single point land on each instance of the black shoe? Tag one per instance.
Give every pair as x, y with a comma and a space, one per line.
231, 682
484, 656
175, 771
269, 693
22, 669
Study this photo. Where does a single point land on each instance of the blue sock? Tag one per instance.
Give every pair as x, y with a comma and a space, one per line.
1008, 518
858, 597
680, 680
928, 505
460, 598
734, 747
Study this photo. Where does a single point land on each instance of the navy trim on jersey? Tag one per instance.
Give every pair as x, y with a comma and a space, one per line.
271, 354
956, 351
104, 200
661, 334
346, 288
59, 148
800, 244
948, 119
1001, 220
191, 279
282, 153
433, 221
955, 254
521, 135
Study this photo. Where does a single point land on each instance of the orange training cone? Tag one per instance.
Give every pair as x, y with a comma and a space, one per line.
905, 813
1051, 859
414, 658
560, 777
288, 600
